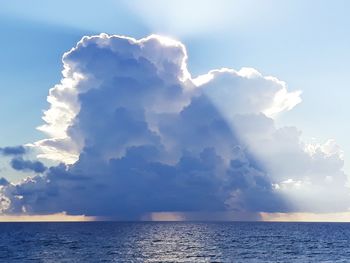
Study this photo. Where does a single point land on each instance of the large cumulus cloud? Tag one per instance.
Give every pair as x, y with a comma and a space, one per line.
137, 134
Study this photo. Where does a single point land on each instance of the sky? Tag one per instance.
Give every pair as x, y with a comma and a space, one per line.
305, 45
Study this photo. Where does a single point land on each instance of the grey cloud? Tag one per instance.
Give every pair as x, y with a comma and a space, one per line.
3, 181
13, 150
20, 164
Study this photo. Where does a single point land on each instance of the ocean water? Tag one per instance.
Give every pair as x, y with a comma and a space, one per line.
174, 242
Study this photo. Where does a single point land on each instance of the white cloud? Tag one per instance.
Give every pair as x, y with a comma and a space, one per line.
142, 136
247, 91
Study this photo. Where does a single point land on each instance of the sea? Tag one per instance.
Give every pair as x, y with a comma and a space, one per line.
174, 242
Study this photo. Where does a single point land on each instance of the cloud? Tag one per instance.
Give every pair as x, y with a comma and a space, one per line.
20, 164
310, 176
139, 136
3, 181
247, 91
14, 150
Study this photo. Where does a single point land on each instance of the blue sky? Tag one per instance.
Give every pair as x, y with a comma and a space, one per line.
305, 44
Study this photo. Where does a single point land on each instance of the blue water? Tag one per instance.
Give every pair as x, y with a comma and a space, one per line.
174, 242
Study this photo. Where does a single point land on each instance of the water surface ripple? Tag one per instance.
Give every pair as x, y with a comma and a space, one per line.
174, 242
